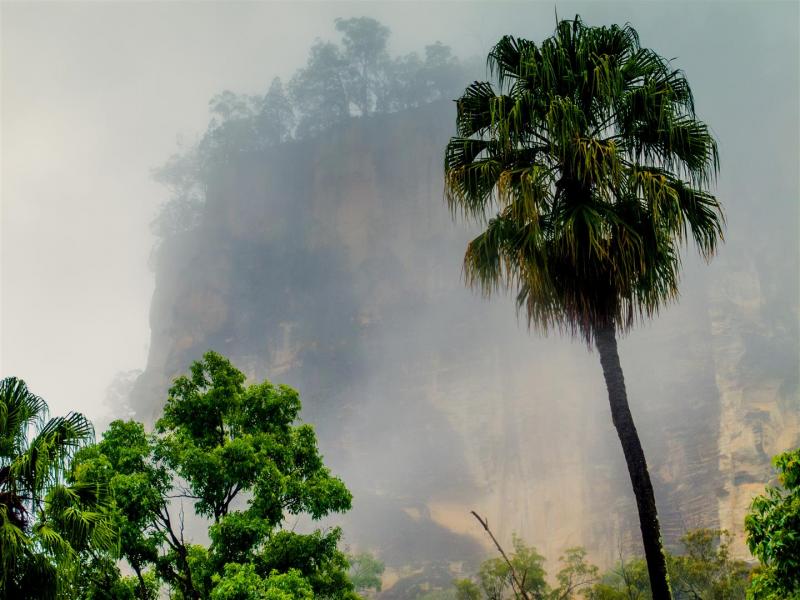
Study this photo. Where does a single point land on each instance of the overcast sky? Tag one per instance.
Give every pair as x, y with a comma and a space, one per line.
94, 95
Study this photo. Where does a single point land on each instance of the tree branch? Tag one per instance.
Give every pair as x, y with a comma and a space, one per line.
514, 578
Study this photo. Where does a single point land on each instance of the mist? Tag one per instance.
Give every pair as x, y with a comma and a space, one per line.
331, 263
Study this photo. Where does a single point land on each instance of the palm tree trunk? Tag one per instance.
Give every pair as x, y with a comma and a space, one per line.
606, 342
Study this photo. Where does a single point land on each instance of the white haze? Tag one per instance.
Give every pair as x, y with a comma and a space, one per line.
94, 95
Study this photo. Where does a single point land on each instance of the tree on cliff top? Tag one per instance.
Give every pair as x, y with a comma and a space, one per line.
339, 81
589, 170
366, 58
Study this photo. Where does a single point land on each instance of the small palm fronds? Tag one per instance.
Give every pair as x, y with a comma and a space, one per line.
45, 460
80, 511
14, 543
590, 172
45, 520
19, 411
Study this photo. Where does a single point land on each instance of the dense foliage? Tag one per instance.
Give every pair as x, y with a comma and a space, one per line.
591, 163
773, 533
356, 78
706, 569
234, 456
47, 518
366, 572
703, 570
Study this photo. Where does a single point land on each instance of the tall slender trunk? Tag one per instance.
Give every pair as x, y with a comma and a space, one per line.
606, 342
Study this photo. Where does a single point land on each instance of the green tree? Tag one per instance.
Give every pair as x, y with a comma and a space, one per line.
366, 57
496, 579
99, 578
46, 519
276, 120
318, 90
705, 569
242, 582
773, 533
183, 176
365, 572
234, 454
403, 86
440, 75
124, 461
575, 575
627, 581
466, 589
589, 170
232, 129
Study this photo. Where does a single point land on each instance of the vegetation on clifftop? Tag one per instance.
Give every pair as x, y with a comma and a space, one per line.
356, 78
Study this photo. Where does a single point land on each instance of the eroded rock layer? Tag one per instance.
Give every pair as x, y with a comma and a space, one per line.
333, 265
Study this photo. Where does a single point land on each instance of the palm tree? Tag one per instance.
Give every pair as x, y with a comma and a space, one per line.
45, 519
590, 172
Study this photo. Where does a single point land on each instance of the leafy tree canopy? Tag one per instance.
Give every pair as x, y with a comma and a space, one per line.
356, 78
365, 572
236, 455
495, 576
773, 532
703, 570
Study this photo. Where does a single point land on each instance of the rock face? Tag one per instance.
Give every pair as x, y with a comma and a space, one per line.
333, 265
757, 390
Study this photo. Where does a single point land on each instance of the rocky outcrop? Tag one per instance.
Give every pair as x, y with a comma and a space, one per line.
758, 402
332, 265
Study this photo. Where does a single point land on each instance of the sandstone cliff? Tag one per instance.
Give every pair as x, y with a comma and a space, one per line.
333, 265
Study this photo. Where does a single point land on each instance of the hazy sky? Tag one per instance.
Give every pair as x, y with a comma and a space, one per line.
94, 95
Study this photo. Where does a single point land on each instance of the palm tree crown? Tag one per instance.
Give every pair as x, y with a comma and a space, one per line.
589, 169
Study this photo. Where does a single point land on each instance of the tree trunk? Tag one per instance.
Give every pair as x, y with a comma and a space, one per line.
606, 342
142, 585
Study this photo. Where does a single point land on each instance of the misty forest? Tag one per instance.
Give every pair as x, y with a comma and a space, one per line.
486, 301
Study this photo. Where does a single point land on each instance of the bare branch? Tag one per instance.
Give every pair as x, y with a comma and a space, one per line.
517, 582
181, 517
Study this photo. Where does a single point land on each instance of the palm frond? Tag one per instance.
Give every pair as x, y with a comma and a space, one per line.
474, 111
512, 59
45, 460
589, 155
19, 410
